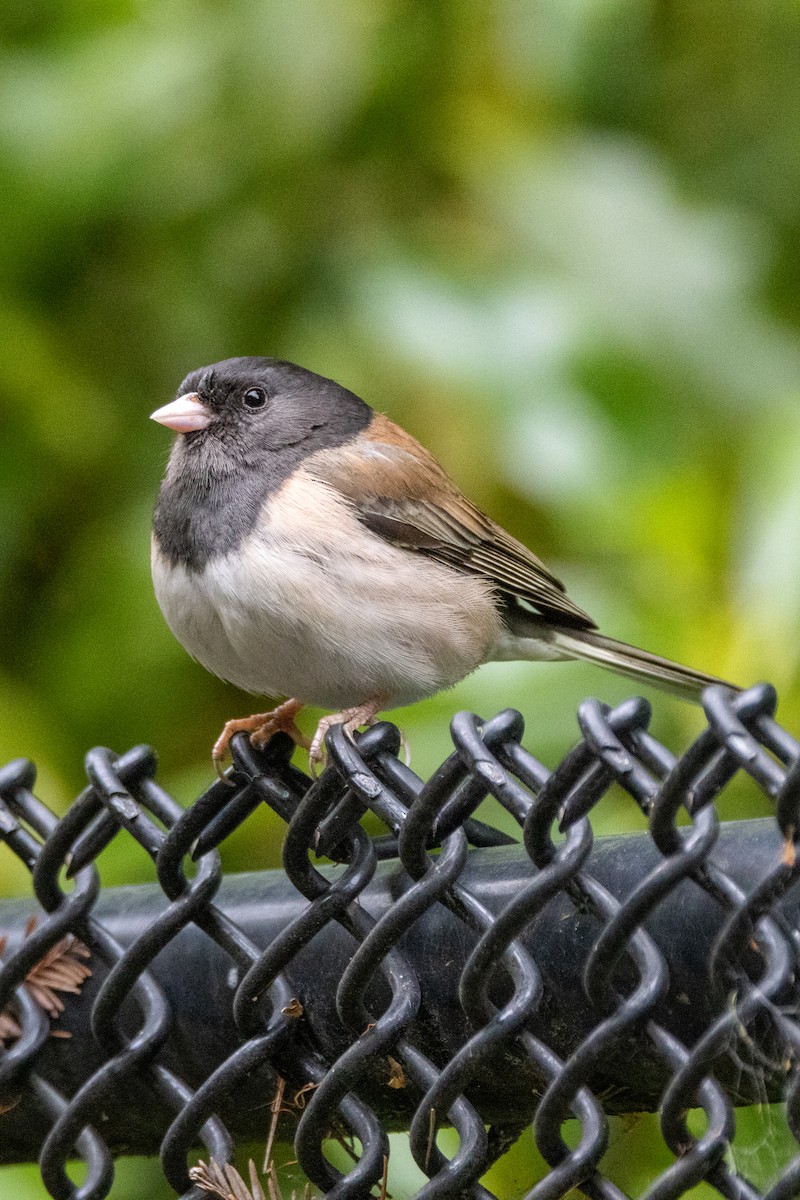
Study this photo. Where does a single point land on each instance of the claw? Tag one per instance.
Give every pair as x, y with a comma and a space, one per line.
261, 727
350, 719
219, 767
405, 747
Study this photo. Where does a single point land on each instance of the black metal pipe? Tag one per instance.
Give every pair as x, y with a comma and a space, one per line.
199, 981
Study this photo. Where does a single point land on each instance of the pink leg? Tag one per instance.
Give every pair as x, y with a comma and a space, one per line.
261, 727
351, 719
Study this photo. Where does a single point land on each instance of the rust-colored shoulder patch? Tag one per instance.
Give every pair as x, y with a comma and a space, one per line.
401, 493
381, 429
386, 461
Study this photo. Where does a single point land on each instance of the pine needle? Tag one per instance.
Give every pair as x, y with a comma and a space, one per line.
276, 1108
63, 970
226, 1182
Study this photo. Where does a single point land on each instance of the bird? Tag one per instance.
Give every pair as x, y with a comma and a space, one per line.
306, 547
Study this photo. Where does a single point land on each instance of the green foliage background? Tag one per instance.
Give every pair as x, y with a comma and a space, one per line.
557, 241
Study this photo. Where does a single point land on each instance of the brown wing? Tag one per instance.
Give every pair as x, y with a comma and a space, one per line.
385, 472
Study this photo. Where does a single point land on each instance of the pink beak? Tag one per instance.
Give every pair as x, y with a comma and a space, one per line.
184, 415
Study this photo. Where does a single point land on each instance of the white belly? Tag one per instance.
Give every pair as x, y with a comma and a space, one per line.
330, 623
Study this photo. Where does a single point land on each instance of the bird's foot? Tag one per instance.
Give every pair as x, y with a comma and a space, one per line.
261, 727
351, 719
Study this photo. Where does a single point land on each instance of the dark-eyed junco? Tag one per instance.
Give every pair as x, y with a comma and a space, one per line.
305, 546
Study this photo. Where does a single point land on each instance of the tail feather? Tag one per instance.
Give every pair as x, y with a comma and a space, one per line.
636, 663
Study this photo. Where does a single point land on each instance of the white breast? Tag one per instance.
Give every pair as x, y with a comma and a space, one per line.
328, 618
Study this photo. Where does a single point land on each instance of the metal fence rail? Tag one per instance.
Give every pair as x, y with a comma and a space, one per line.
417, 983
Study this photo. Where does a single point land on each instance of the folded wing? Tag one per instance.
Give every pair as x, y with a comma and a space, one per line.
402, 494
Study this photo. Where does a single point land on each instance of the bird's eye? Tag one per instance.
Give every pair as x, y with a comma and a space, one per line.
255, 397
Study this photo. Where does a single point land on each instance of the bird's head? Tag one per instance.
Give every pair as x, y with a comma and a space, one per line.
243, 407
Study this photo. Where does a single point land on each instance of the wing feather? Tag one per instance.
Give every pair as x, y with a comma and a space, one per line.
385, 472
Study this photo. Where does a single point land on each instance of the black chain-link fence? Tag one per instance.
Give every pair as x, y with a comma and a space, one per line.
416, 983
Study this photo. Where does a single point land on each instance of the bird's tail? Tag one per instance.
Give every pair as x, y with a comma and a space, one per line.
629, 660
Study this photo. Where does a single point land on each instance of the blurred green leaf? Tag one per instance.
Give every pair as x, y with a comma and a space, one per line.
558, 243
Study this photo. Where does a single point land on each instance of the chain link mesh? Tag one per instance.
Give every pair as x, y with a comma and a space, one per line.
420, 982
